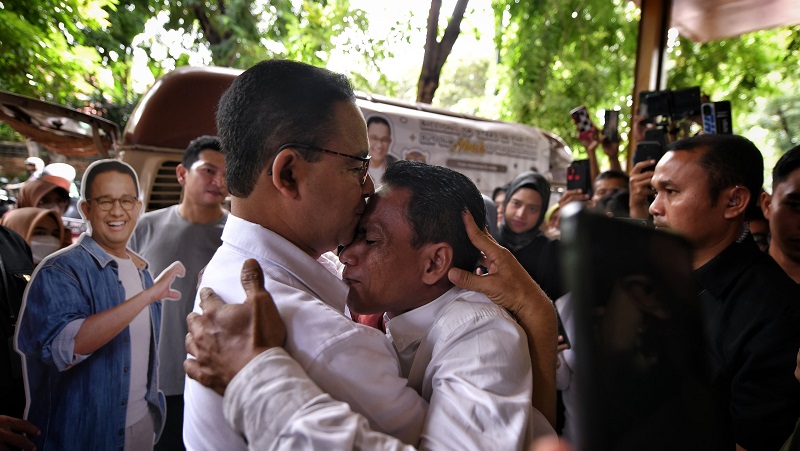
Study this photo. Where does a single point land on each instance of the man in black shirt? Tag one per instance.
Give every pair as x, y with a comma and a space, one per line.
704, 186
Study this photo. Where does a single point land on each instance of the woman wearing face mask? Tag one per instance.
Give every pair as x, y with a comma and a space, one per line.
41, 228
526, 202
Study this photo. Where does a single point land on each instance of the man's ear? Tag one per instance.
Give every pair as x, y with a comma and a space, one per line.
285, 170
737, 199
766, 205
437, 260
181, 172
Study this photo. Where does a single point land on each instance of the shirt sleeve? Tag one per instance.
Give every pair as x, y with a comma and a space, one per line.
53, 312
276, 406
481, 387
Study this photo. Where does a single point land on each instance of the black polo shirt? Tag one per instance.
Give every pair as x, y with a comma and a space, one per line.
753, 317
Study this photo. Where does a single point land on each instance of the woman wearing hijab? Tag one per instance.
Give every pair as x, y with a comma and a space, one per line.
41, 228
49, 193
526, 201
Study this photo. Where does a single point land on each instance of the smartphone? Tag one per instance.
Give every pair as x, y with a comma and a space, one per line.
709, 118
643, 106
647, 150
579, 176
586, 128
722, 113
611, 126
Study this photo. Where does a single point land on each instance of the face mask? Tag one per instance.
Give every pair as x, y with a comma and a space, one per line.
42, 246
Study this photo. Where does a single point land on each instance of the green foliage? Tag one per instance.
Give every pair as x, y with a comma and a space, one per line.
558, 54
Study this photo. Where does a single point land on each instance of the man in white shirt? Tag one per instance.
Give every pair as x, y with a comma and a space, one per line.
465, 355
295, 146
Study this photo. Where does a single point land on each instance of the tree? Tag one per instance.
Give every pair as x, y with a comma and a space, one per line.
437, 51
556, 55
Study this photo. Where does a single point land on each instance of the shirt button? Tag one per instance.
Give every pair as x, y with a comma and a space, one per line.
125, 370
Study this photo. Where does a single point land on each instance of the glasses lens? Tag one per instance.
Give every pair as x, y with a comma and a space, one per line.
127, 202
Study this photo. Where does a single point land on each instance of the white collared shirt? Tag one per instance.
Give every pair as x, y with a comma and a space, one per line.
465, 354
470, 360
352, 362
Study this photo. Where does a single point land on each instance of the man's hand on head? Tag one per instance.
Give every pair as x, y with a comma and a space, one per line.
226, 337
507, 283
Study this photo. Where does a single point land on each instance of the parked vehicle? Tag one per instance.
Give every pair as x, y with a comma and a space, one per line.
181, 105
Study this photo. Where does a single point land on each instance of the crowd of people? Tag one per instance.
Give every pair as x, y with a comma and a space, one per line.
337, 304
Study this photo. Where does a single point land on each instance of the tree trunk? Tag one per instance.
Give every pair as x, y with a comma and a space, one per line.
436, 52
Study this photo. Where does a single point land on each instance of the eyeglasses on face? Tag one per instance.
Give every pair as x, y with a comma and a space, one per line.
364, 160
106, 203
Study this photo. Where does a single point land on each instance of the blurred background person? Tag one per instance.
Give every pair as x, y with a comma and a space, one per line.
523, 213
34, 166
40, 228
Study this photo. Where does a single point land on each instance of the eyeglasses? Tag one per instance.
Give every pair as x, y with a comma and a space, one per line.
106, 203
364, 160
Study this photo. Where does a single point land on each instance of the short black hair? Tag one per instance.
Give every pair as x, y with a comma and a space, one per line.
788, 163
192, 153
101, 166
438, 197
273, 103
613, 174
378, 120
730, 160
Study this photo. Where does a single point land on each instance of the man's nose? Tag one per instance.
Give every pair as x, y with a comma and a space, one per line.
348, 255
656, 207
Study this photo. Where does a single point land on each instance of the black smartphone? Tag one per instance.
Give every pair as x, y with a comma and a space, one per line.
611, 126
579, 176
648, 150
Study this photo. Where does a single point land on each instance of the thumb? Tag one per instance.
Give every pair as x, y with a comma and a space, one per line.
252, 279
462, 279
267, 332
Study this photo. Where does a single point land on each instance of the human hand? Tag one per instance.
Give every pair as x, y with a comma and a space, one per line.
590, 142
11, 430
562, 346
640, 127
226, 337
162, 286
640, 189
507, 283
572, 195
611, 148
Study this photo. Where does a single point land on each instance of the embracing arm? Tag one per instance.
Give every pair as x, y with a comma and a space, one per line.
269, 398
509, 285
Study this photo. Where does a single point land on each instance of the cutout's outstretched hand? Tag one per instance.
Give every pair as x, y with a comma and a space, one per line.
162, 287
226, 337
